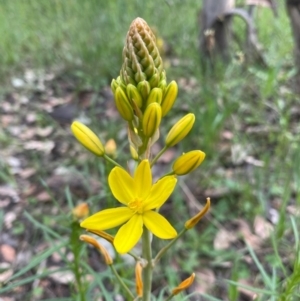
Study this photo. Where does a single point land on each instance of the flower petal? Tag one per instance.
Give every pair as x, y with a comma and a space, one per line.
143, 180
107, 219
158, 225
121, 185
160, 192
129, 234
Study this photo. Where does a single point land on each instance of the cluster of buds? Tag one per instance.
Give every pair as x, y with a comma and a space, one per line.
141, 92
142, 97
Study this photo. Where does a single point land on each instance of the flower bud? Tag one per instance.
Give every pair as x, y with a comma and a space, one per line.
180, 129
154, 96
134, 95
123, 104
81, 211
141, 58
133, 153
110, 147
169, 98
154, 80
151, 119
91, 240
184, 285
114, 85
87, 138
195, 219
144, 88
162, 84
188, 162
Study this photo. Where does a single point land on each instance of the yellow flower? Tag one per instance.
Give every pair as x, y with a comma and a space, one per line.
139, 197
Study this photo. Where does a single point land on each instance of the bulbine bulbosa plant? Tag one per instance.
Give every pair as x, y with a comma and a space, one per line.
142, 97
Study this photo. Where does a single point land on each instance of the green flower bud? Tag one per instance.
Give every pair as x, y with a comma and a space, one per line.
144, 88
188, 162
134, 95
154, 81
141, 58
180, 129
169, 98
133, 153
123, 104
151, 119
114, 85
87, 138
154, 96
162, 84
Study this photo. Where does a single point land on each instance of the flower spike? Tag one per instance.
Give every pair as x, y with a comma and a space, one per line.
141, 58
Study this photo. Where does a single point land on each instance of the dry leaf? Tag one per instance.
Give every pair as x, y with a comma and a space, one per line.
247, 293
251, 239
223, 239
63, 277
262, 228
44, 132
8, 253
44, 146
7, 120
27, 173
43, 196
227, 135
6, 272
204, 281
9, 218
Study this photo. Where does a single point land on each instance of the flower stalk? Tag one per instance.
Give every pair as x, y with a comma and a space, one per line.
147, 270
143, 97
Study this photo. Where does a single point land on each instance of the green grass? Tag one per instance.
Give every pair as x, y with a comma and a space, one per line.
253, 105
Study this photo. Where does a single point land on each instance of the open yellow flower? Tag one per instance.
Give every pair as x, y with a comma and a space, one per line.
140, 198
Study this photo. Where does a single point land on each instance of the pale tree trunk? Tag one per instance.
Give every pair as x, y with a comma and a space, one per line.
215, 34
293, 9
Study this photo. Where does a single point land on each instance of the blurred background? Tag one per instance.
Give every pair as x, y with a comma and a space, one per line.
236, 66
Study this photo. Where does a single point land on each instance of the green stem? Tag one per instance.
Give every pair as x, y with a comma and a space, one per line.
158, 155
167, 247
147, 270
111, 160
121, 282
76, 249
170, 297
144, 147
